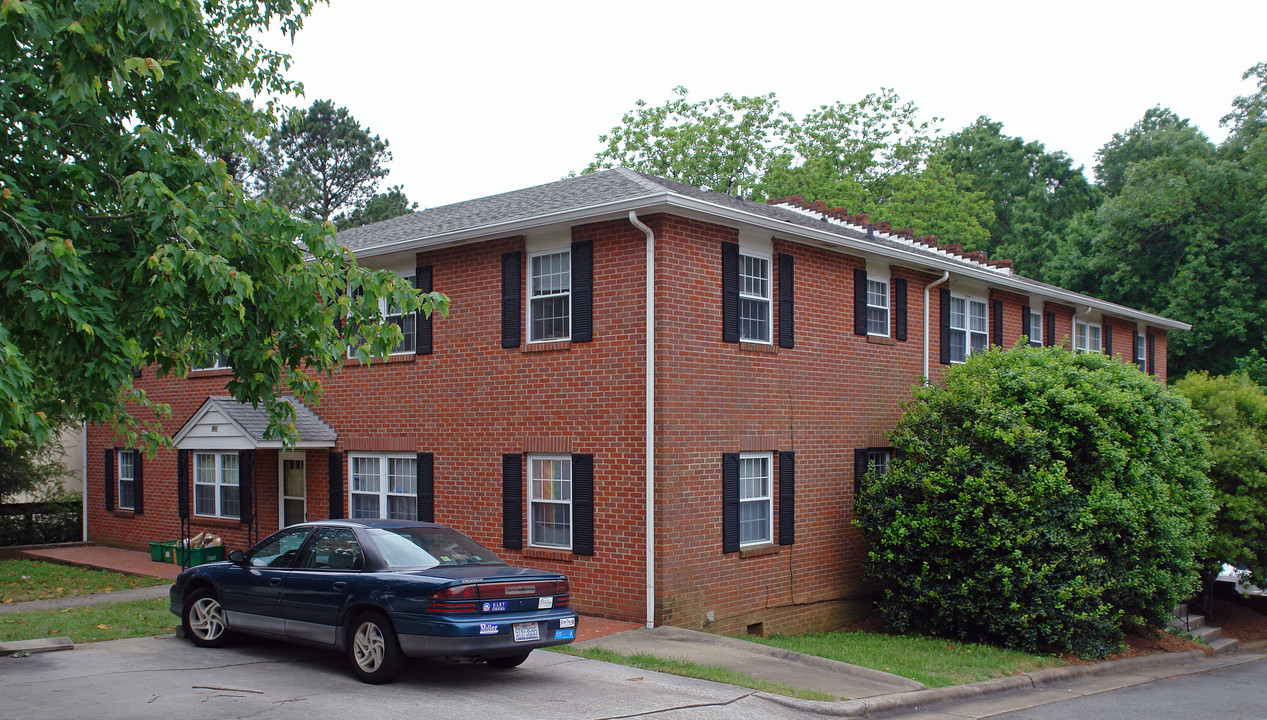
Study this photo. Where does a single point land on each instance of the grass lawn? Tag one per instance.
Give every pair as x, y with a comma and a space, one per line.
91, 623
22, 580
686, 669
934, 662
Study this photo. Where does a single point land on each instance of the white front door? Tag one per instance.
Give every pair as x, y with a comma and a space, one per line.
292, 474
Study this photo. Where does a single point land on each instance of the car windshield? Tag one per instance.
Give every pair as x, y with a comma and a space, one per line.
429, 547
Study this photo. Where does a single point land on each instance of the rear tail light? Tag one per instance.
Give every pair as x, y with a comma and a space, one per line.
466, 598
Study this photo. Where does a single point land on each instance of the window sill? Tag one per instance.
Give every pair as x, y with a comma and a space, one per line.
758, 551
748, 346
217, 372
545, 346
214, 521
390, 359
881, 340
546, 554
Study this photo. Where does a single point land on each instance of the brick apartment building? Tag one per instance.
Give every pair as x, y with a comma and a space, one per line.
662, 391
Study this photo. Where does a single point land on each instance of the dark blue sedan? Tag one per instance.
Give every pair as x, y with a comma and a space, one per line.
379, 590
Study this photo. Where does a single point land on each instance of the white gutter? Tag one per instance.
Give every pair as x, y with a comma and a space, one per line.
649, 439
945, 276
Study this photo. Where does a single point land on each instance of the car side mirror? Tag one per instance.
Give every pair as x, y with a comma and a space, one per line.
237, 557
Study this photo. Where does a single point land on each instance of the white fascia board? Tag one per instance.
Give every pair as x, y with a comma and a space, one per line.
704, 210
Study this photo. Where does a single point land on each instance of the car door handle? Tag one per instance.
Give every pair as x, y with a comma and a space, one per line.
340, 585
274, 581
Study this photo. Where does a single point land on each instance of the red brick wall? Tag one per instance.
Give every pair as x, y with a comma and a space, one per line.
471, 401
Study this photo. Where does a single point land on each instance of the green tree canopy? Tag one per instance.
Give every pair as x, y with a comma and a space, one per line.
1233, 410
124, 243
1036, 194
383, 206
1040, 500
320, 161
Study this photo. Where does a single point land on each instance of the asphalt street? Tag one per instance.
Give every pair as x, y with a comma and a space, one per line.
166, 677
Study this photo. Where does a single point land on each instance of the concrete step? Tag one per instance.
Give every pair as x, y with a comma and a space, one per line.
1225, 646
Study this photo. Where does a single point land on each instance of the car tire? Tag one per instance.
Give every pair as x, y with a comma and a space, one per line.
508, 662
373, 649
202, 619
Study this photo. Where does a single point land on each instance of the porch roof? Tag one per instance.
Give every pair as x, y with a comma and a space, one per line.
223, 423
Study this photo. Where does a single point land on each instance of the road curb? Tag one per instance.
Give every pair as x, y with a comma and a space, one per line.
39, 645
924, 698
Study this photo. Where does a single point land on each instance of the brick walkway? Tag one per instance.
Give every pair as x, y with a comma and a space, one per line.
138, 562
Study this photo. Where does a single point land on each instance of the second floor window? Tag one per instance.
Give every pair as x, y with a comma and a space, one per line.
754, 298
550, 296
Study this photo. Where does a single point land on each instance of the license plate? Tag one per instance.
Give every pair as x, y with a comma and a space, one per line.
527, 631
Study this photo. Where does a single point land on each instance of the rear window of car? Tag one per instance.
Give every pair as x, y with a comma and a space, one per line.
424, 548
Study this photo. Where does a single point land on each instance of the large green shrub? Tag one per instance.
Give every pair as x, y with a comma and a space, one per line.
1234, 414
1040, 500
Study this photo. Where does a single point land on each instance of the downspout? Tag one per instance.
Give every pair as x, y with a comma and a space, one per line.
945, 276
649, 437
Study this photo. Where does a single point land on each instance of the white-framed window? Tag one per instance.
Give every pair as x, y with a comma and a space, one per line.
1087, 338
216, 485
392, 313
383, 486
550, 501
218, 361
878, 307
550, 296
754, 298
127, 479
756, 499
1141, 360
1035, 328
969, 327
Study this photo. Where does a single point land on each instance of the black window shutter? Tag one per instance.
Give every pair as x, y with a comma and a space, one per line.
859, 471
1152, 355
729, 292
246, 485
730, 502
1049, 329
335, 470
422, 322
110, 479
583, 504
859, 301
583, 291
512, 284
1025, 328
1107, 332
426, 487
787, 497
943, 321
787, 302
512, 501
182, 484
997, 309
899, 308
138, 483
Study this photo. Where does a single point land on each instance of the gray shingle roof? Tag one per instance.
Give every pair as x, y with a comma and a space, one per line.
255, 420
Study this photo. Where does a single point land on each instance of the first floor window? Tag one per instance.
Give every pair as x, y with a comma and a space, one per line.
1035, 328
1087, 338
754, 298
878, 307
127, 479
216, 485
550, 501
384, 486
756, 499
550, 296
969, 327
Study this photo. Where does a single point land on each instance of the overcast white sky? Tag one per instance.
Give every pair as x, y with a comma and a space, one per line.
478, 98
